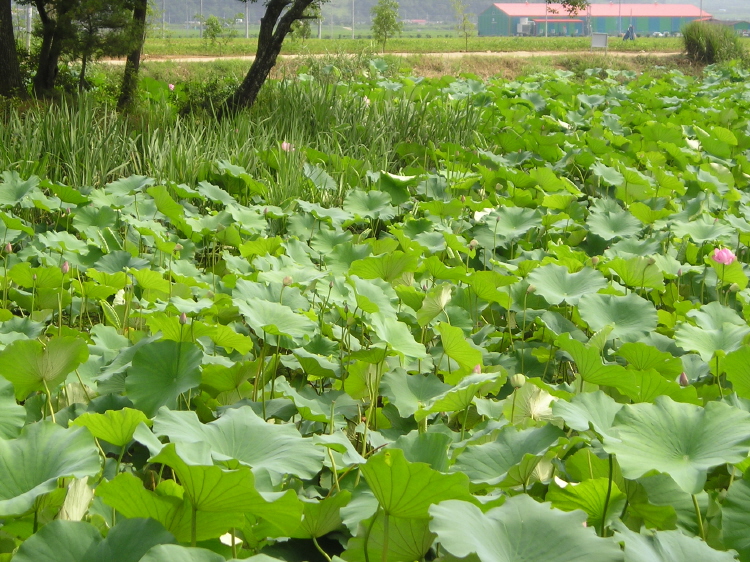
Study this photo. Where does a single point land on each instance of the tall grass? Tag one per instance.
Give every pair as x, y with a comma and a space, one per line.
709, 43
85, 143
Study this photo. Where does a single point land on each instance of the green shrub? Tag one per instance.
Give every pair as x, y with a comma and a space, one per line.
710, 43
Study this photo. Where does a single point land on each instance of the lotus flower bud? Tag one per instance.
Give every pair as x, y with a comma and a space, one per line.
8, 248
595, 261
517, 380
265, 211
287, 281
684, 379
651, 261
734, 287
183, 319
330, 285
679, 272
178, 247
33, 277
463, 199
531, 289
65, 267
473, 244
477, 369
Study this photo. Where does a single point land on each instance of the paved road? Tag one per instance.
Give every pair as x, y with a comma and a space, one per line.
514, 54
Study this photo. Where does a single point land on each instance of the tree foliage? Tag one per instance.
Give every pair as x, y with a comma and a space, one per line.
464, 24
385, 20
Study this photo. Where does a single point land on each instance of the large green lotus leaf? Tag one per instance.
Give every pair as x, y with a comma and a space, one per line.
434, 303
61, 541
667, 546
406, 489
242, 435
12, 415
212, 488
643, 357
30, 365
591, 497
321, 517
127, 495
631, 316
114, 426
683, 440
512, 533
160, 372
388, 267
556, 284
595, 409
458, 348
129, 540
706, 342
637, 272
397, 335
510, 223
589, 364
651, 385
737, 366
74, 541
408, 539
735, 519
177, 553
371, 204
614, 223
489, 463
271, 318
703, 229
427, 447
14, 189
461, 396
43, 453
410, 393
713, 316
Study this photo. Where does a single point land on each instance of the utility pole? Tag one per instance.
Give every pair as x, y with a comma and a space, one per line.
247, 20
201, 22
163, 16
546, 19
619, 15
352, 19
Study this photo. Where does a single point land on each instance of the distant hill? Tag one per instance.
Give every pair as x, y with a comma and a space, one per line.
430, 10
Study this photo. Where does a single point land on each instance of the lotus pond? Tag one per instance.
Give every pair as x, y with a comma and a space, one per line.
530, 349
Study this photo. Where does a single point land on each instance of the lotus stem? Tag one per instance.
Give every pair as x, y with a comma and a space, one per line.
701, 529
322, 552
49, 401
194, 527
607, 497
365, 544
385, 538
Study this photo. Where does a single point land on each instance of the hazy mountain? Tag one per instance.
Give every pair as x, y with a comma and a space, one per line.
431, 10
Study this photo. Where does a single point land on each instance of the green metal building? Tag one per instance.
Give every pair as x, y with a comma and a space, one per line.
524, 18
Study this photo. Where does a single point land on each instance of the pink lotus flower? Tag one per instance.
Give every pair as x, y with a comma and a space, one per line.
684, 381
65, 267
171, 87
287, 147
724, 256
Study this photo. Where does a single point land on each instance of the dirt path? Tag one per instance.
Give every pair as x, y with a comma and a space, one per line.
452, 55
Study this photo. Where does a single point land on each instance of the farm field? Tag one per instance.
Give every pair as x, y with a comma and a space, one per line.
380, 317
184, 46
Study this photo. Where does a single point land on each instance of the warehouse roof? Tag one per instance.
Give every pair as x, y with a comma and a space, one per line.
610, 9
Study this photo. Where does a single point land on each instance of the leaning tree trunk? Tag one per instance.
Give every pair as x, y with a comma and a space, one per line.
10, 77
274, 26
133, 63
54, 32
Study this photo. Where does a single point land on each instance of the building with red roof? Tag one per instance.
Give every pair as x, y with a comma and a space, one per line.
531, 18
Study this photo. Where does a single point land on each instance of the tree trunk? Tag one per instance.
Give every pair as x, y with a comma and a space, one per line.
53, 34
133, 63
82, 76
10, 77
274, 26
